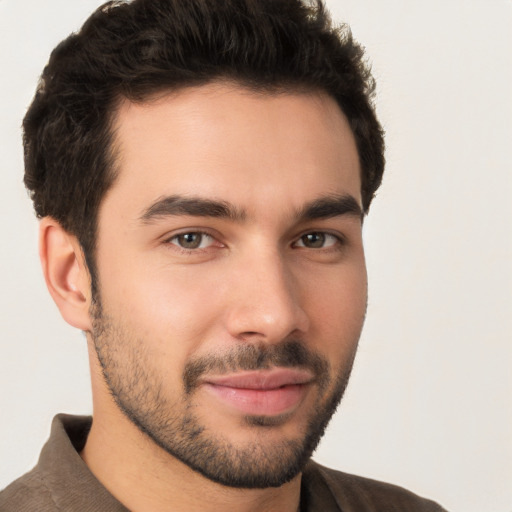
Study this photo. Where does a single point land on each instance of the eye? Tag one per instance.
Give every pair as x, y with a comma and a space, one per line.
317, 240
192, 240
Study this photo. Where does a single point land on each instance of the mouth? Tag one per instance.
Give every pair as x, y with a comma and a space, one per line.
263, 392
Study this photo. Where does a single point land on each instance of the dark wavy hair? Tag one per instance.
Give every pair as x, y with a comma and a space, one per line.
135, 49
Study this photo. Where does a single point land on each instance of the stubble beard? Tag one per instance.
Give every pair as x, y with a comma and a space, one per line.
140, 395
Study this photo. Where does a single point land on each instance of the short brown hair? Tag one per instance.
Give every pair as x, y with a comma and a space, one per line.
135, 49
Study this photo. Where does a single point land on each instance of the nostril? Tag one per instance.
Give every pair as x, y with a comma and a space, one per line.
245, 336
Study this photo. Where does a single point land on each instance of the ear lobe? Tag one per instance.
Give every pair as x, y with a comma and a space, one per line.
65, 273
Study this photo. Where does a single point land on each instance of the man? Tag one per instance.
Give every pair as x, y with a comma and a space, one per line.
201, 170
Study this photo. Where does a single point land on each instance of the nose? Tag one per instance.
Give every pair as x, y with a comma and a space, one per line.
266, 303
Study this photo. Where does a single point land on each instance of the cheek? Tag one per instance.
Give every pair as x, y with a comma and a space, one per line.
337, 310
170, 310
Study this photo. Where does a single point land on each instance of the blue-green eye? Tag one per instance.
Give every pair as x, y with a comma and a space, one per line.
317, 240
192, 240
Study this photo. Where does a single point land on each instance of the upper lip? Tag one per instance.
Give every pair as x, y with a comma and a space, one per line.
262, 379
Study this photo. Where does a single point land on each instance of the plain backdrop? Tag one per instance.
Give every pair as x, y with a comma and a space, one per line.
429, 406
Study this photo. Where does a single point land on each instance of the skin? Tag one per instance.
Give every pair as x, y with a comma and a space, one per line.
254, 280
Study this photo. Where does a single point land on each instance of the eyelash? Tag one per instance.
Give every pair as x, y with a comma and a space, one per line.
184, 250
339, 241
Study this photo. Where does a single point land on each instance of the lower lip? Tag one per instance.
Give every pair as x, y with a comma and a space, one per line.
260, 402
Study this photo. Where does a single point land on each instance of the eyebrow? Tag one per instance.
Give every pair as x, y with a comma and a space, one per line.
331, 206
194, 206
321, 208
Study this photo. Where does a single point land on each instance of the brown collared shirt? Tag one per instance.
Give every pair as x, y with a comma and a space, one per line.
61, 482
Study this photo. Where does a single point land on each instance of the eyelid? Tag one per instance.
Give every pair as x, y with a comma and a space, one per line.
168, 239
183, 231
340, 239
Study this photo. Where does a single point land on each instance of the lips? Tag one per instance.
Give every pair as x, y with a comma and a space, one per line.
266, 392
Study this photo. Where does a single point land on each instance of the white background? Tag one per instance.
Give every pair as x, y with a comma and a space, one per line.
429, 406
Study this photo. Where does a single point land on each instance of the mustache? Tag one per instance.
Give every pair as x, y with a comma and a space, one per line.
260, 356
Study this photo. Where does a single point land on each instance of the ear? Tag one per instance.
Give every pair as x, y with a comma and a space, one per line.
65, 273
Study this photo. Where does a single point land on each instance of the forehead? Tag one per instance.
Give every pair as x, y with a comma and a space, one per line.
226, 142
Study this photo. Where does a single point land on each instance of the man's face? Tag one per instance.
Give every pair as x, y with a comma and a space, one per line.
232, 281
